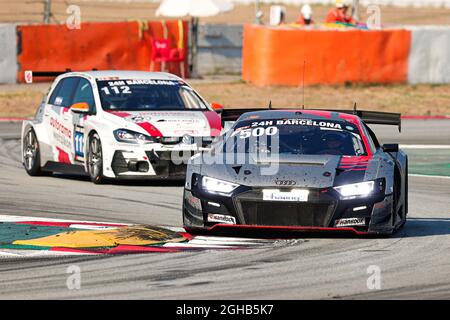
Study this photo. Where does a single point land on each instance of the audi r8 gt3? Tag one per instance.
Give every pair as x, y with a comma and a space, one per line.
118, 124
299, 170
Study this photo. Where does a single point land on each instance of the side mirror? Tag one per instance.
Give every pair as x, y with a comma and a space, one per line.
390, 147
217, 107
80, 107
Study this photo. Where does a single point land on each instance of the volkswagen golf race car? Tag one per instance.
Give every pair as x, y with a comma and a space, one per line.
299, 170
118, 124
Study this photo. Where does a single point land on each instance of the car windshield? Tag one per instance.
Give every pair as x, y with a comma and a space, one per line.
295, 136
146, 95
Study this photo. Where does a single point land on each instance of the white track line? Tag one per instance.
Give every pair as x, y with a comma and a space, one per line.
427, 176
25, 253
424, 146
9, 218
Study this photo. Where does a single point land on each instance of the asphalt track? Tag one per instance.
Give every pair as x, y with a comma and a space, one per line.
414, 263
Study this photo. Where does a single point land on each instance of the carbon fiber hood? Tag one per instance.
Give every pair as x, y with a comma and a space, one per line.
317, 171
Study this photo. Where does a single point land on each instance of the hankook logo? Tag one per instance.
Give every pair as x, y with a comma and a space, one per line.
285, 182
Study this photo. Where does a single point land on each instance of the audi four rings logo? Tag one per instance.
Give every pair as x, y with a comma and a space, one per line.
285, 182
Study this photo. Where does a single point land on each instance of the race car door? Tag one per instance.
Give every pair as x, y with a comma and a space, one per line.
83, 93
57, 119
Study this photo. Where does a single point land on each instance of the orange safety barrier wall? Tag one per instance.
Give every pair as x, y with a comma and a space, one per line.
275, 56
103, 46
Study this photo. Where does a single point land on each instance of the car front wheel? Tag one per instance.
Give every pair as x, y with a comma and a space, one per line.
95, 159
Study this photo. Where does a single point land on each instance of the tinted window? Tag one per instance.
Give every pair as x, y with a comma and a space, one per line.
148, 94
63, 94
296, 136
84, 93
55, 93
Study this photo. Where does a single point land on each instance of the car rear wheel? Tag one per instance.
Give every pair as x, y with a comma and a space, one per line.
95, 159
405, 202
31, 154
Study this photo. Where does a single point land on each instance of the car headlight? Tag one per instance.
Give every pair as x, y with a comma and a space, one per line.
218, 186
362, 189
128, 136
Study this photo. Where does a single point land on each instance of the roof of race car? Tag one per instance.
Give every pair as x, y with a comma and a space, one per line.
299, 113
123, 74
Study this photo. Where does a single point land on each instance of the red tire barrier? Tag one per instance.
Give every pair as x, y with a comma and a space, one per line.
115, 45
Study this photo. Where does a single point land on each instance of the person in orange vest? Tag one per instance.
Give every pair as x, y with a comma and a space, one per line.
306, 16
339, 13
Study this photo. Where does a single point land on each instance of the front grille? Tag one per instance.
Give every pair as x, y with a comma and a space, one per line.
170, 140
285, 214
252, 210
164, 166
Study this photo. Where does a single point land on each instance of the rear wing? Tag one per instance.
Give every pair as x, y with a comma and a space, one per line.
228, 115
376, 117
369, 117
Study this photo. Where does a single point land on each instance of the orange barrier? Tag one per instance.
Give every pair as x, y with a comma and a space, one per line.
116, 45
275, 56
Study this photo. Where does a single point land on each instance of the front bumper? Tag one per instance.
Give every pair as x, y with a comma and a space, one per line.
143, 162
245, 210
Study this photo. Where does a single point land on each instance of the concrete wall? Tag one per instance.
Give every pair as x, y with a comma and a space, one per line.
220, 49
8, 53
429, 57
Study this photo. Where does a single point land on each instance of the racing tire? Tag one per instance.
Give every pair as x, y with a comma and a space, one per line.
405, 203
31, 156
95, 159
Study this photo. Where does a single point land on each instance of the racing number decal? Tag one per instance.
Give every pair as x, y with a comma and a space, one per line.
79, 144
116, 90
257, 132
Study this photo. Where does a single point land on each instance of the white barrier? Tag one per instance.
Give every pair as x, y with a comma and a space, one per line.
8, 53
429, 56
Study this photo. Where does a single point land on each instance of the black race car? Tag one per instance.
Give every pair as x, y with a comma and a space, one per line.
299, 170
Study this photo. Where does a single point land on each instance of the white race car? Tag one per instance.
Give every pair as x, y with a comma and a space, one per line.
118, 124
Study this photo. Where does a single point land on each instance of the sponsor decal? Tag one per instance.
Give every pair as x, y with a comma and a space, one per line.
28, 76
296, 195
61, 134
300, 122
308, 122
350, 222
221, 218
58, 126
132, 82
58, 101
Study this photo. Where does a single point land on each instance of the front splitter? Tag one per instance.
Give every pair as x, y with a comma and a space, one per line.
276, 231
